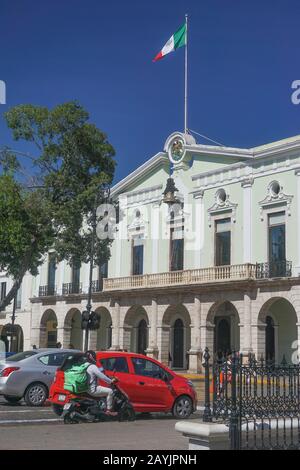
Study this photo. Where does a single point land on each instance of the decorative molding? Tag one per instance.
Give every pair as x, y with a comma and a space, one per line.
138, 227
220, 206
247, 182
273, 200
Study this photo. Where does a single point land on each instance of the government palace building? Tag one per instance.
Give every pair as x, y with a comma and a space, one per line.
205, 253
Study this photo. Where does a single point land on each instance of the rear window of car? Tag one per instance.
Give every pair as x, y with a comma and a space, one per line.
117, 364
52, 359
20, 356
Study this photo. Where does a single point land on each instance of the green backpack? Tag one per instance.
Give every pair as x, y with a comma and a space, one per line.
76, 379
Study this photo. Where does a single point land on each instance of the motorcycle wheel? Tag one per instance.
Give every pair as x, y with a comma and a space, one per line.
127, 414
69, 420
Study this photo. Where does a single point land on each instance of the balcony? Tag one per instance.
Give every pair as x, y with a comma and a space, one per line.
45, 291
97, 286
273, 269
71, 288
215, 274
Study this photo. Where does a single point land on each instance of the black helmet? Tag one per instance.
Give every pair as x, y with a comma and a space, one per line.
91, 356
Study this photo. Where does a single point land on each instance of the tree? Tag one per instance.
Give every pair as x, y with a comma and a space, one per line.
49, 207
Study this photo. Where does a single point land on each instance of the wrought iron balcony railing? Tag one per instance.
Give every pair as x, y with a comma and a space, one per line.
274, 269
45, 291
71, 288
97, 286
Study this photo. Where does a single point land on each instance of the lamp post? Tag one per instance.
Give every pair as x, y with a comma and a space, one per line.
13, 318
90, 319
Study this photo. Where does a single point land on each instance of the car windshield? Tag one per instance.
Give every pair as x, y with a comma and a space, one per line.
20, 356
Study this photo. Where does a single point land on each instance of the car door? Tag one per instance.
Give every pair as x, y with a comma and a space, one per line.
116, 366
48, 364
149, 391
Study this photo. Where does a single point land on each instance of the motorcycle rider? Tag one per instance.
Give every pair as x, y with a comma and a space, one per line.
95, 390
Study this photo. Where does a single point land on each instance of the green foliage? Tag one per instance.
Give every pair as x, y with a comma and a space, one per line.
74, 162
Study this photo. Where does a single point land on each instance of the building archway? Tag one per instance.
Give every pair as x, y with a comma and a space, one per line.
224, 332
136, 326
176, 337
73, 334
277, 331
13, 338
48, 329
104, 333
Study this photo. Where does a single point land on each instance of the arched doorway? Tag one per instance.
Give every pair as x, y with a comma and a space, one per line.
104, 333
277, 332
142, 337
73, 335
13, 338
223, 335
48, 330
270, 339
175, 338
136, 325
178, 344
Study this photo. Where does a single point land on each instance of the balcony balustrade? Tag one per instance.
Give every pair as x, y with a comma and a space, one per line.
214, 274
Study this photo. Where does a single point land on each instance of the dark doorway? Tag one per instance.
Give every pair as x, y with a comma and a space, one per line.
178, 344
270, 339
142, 337
222, 336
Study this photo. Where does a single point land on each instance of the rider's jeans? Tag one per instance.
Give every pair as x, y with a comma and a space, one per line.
104, 392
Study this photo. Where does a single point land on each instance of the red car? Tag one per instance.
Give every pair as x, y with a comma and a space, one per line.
150, 385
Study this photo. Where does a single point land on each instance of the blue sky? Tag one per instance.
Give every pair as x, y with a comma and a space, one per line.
243, 57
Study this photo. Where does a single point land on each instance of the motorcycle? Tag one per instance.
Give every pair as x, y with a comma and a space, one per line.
86, 409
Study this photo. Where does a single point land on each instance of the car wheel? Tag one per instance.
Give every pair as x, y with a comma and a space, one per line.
36, 394
12, 400
58, 409
183, 407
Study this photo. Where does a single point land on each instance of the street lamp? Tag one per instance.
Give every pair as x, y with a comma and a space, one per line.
91, 320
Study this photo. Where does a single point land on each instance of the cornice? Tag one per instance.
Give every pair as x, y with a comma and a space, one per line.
158, 159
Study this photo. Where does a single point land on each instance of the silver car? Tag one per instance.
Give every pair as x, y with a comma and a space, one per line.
29, 374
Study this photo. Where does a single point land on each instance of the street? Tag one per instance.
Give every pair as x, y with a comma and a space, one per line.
28, 428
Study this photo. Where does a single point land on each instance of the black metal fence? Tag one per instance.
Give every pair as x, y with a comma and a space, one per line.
258, 400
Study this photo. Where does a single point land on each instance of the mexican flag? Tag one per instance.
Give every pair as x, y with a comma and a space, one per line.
177, 40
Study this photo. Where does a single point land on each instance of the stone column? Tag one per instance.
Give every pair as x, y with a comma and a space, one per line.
116, 326
93, 339
199, 227
152, 350
195, 351
296, 269
245, 331
247, 219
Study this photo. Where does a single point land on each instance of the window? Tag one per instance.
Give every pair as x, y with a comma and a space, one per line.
222, 242
137, 256
176, 249
147, 368
277, 257
54, 360
76, 276
20, 356
3, 290
19, 298
115, 364
51, 273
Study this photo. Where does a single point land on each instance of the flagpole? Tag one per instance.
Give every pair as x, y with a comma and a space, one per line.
185, 76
